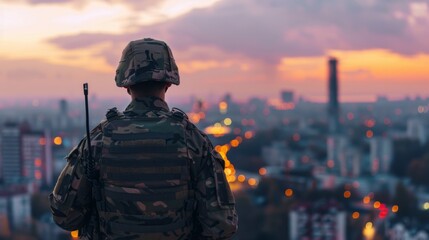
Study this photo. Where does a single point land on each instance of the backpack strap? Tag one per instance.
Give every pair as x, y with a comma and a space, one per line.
181, 116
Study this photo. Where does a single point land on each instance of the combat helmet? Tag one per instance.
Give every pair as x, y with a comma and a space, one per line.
146, 60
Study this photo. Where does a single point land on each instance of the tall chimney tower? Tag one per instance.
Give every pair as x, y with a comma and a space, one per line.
333, 105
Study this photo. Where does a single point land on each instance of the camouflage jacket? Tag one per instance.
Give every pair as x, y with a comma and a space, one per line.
215, 215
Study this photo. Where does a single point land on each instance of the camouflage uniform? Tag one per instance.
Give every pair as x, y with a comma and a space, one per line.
213, 216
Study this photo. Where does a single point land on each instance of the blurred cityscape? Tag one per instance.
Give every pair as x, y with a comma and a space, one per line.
299, 169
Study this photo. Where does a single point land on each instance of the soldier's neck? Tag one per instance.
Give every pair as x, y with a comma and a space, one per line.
158, 95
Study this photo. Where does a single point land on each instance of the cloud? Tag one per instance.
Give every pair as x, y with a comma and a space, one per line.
82, 40
32, 77
272, 29
136, 5
48, 1
139, 4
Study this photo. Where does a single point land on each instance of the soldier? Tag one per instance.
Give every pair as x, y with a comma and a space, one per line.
158, 176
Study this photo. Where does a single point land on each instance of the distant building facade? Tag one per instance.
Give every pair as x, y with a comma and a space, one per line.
15, 204
417, 130
381, 155
37, 158
287, 96
26, 156
320, 220
11, 153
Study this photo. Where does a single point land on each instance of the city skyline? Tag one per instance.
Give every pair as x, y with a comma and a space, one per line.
246, 48
308, 170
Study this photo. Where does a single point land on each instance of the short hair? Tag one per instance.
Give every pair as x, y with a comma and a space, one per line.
148, 88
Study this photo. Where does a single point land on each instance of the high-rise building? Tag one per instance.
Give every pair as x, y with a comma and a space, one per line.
26, 155
381, 155
36, 158
63, 115
287, 96
15, 210
333, 104
48, 163
317, 220
64, 109
417, 130
336, 154
11, 153
276, 154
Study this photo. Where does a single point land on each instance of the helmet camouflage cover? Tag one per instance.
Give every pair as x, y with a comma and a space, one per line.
146, 60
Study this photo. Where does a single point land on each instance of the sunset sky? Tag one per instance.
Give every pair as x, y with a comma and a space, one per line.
48, 48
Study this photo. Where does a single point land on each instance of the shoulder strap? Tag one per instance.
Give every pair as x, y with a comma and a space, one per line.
181, 116
178, 114
113, 114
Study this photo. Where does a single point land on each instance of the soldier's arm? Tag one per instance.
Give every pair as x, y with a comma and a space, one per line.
71, 198
217, 216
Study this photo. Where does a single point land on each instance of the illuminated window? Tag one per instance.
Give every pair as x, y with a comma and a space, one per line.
377, 204
366, 199
330, 163
234, 143
38, 162
248, 134
252, 182
347, 194
58, 140
42, 141
38, 174
288, 192
227, 121
223, 107
241, 178
369, 134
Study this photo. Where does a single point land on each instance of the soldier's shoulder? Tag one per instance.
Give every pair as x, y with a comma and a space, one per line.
199, 136
193, 131
179, 115
112, 114
96, 137
97, 131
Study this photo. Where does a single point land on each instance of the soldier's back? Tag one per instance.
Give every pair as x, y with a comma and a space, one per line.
146, 177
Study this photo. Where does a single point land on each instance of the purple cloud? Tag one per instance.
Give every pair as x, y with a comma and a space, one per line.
269, 30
